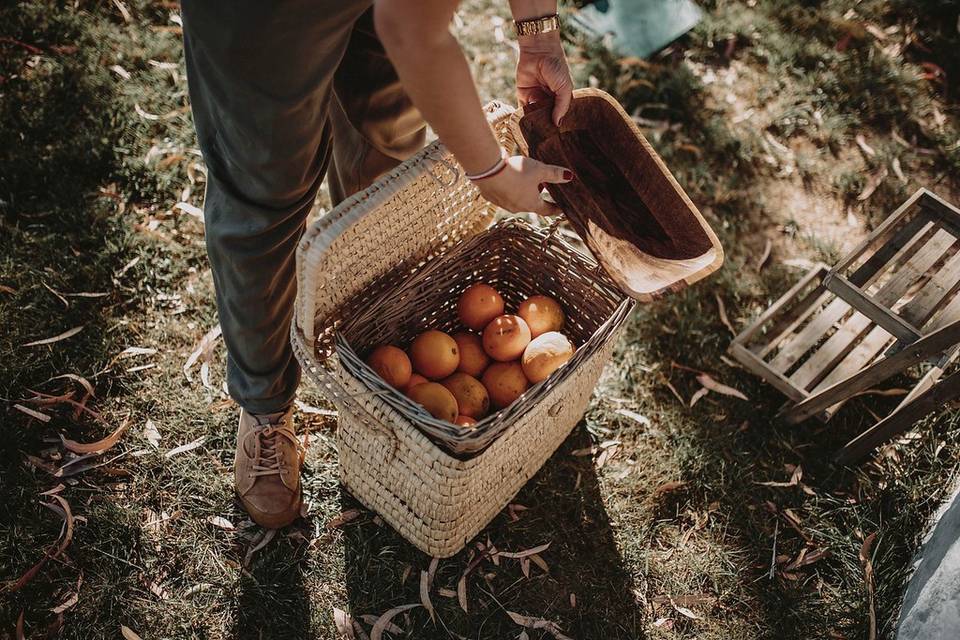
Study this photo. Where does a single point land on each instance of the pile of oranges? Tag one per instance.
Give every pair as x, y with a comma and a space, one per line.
491, 362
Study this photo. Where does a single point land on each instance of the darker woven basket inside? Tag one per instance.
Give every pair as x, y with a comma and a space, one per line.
519, 261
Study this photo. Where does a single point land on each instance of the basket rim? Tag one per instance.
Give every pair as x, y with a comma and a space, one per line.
320, 236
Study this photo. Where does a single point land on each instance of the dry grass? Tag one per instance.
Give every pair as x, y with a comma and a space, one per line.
673, 523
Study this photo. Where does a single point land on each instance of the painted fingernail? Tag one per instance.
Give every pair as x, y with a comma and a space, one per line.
567, 174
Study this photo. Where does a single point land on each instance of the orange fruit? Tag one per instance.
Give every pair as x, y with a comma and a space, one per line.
545, 354
415, 379
506, 337
505, 383
391, 364
542, 314
473, 359
434, 354
435, 398
478, 305
471, 396
464, 421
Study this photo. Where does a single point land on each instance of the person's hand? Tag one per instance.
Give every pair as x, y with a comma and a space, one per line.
517, 188
542, 73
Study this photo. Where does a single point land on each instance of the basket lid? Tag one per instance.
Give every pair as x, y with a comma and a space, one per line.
626, 205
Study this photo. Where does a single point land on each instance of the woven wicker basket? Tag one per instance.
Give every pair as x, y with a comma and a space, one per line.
388, 262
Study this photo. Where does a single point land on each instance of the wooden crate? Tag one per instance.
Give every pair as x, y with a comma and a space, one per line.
898, 287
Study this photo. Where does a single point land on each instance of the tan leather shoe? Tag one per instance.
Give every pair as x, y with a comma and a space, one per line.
267, 468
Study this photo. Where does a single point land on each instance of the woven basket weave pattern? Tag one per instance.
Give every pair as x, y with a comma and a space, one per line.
518, 261
407, 225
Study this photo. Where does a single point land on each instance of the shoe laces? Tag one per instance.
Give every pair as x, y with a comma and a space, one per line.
267, 449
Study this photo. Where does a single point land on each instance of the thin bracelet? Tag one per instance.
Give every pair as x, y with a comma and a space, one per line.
497, 167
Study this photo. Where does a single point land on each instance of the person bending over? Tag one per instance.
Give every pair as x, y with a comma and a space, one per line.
287, 92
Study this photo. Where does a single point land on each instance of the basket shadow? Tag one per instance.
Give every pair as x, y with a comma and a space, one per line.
587, 590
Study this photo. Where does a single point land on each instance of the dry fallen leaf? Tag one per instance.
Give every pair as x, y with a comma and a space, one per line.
190, 209
204, 348
128, 633
63, 336
539, 623
898, 170
42, 417
795, 478
381, 625
63, 541
462, 593
69, 603
221, 522
151, 433
717, 387
540, 562
525, 553
696, 397
767, 248
866, 148
310, 409
344, 623
633, 415
722, 312
686, 612
865, 554
100, 445
190, 446
343, 518
874, 180
425, 593
262, 540
667, 487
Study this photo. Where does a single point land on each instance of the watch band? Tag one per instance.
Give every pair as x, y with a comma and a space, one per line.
534, 26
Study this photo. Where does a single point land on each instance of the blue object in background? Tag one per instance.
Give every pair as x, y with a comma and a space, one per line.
638, 27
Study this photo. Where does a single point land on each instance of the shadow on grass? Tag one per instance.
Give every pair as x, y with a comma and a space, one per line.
272, 601
587, 591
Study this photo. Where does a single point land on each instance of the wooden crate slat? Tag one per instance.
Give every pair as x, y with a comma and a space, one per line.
812, 302
883, 316
913, 269
943, 284
886, 256
866, 352
931, 377
817, 272
759, 368
946, 213
932, 201
831, 353
948, 314
792, 349
843, 388
899, 421
918, 310
881, 233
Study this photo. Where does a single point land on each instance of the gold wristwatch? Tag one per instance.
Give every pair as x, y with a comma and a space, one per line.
534, 26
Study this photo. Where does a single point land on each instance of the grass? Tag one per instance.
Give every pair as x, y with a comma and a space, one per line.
93, 160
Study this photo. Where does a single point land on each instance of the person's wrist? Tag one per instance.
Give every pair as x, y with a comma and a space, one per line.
540, 42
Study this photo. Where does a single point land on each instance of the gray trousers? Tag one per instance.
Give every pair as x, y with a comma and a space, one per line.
284, 92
